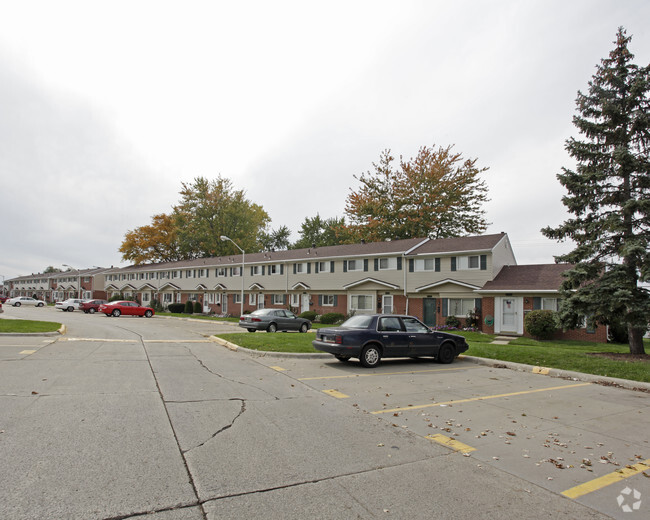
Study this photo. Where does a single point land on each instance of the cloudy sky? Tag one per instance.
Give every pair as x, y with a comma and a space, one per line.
106, 107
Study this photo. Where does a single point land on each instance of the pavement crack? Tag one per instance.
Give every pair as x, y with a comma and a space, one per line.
242, 409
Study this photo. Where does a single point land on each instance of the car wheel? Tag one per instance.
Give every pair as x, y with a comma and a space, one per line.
446, 353
70, 309
370, 356
116, 313
39, 305
91, 310
250, 330
342, 358
148, 314
272, 328
17, 304
304, 328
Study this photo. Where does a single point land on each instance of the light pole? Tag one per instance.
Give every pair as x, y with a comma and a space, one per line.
78, 277
243, 257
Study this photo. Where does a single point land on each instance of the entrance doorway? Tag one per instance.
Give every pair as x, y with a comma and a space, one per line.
429, 311
304, 302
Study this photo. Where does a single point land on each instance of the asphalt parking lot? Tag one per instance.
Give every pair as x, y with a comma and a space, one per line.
583, 441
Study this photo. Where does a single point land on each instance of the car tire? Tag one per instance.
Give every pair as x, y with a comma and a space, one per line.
17, 304
39, 305
91, 310
304, 328
370, 356
148, 314
70, 309
250, 330
272, 328
446, 353
342, 358
116, 313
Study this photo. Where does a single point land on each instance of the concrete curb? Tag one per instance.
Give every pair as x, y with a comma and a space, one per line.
551, 372
62, 330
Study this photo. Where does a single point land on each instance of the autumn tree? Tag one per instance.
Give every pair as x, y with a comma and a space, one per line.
609, 196
207, 210
157, 242
437, 194
320, 232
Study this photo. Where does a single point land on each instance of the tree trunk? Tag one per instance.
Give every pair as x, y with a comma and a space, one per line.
635, 335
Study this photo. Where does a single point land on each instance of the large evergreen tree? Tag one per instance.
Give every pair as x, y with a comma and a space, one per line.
609, 196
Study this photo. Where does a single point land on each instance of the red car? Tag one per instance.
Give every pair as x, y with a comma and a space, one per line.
127, 308
91, 306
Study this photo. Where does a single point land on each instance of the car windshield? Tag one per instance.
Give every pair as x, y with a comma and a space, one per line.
357, 322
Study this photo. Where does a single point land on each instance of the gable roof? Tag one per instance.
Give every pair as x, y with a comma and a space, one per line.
537, 277
459, 244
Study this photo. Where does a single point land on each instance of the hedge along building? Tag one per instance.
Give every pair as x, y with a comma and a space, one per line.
431, 279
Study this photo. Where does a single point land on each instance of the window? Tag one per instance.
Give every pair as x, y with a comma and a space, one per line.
278, 299
256, 270
221, 271
236, 298
188, 273
252, 299
461, 306
145, 297
201, 273
549, 304
361, 302
424, 264
295, 300
300, 268
328, 300
355, 265
236, 271
387, 263
323, 267
464, 263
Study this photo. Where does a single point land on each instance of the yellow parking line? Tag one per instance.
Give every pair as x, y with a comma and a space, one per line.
336, 393
27, 352
383, 374
451, 443
606, 480
459, 401
279, 369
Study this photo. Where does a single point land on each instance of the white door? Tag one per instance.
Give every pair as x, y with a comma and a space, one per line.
387, 304
304, 302
224, 304
510, 315
206, 303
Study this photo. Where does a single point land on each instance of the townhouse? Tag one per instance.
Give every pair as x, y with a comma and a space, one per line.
432, 279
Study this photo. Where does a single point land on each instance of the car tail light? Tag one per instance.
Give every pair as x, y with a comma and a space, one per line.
338, 339
256, 319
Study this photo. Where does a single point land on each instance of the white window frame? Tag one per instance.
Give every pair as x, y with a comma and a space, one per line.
236, 298
390, 264
327, 300
462, 305
274, 269
277, 299
252, 299
236, 271
463, 263
549, 304
295, 300
354, 302
256, 270
327, 267
358, 263
425, 264
301, 268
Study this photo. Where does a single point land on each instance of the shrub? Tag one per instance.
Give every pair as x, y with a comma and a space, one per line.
156, 305
452, 321
309, 315
116, 297
176, 308
198, 308
189, 307
473, 320
541, 324
331, 317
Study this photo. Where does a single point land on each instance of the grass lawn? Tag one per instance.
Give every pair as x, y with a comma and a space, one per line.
26, 326
578, 356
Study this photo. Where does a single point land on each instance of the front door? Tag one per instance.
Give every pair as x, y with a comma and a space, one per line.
304, 302
429, 313
224, 303
509, 315
387, 304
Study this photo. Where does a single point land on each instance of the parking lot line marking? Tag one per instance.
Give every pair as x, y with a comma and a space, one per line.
451, 443
606, 480
336, 393
279, 369
471, 399
384, 374
101, 340
27, 352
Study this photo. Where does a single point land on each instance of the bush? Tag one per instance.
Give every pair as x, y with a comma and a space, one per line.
452, 321
331, 318
156, 305
198, 308
473, 320
116, 297
541, 324
189, 307
176, 308
309, 315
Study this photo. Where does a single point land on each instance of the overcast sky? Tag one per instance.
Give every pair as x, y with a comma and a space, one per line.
106, 107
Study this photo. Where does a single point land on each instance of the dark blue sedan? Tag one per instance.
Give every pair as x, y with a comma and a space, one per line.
371, 338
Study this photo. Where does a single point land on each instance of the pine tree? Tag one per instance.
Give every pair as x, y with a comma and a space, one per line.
609, 196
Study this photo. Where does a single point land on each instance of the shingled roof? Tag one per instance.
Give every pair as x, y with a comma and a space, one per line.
538, 277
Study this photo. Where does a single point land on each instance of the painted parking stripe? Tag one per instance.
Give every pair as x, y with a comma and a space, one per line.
278, 369
451, 443
336, 393
484, 398
606, 480
385, 374
27, 351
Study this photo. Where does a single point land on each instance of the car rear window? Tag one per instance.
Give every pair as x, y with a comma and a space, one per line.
358, 322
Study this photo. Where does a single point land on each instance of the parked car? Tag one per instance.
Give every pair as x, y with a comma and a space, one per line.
1, 308
127, 308
25, 300
69, 305
373, 337
3, 299
91, 306
272, 320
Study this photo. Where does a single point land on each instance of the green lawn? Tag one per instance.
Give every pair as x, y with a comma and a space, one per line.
26, 326
565, 355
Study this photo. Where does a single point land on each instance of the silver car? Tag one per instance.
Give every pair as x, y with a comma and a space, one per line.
272, 320
25, 300
69, 305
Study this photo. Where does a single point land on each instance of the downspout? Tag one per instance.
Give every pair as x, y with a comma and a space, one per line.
405, 269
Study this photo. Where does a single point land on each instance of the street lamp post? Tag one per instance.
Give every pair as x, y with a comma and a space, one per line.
243, 257
78, 278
